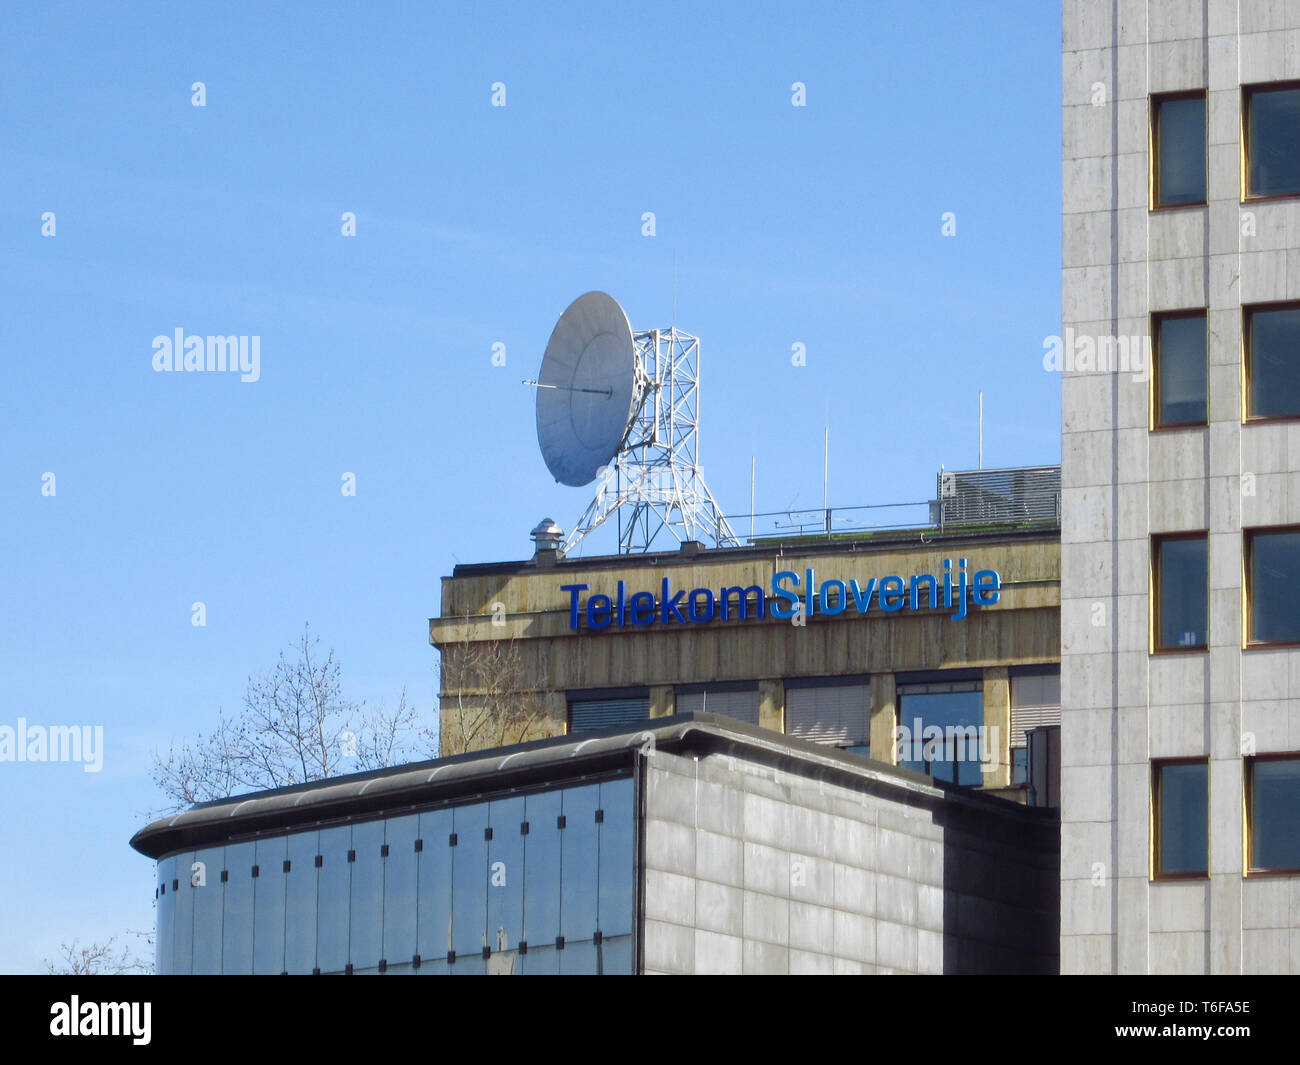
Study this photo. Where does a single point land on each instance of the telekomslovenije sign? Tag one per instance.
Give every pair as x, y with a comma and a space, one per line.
787, 596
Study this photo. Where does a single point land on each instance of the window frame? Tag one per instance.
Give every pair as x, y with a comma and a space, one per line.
1157, 766
1249, 870
597, 695
958, 684
845, 680
1248, 535
1156, 320
1154, 592
1248, 93
1153, 147
1248, 312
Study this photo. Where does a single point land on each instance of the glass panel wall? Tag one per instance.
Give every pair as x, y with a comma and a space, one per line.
521, 884
268, 906
237, 918
400, 889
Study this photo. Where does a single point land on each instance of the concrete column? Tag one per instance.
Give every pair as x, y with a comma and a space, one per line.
884, 717
997, 725
771, 704
662, 703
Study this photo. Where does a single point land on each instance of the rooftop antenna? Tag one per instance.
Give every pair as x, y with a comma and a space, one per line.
624, 406
981, 429
674, 287
751, 499
826, 477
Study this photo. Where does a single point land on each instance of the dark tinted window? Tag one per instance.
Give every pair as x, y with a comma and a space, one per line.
1274, 586
1182, 593
1182, 818
1273, 141
1181, 373
944, 734
1274, 813
1180, 150
1273, 360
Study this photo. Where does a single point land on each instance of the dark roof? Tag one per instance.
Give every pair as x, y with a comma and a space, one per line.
548, 761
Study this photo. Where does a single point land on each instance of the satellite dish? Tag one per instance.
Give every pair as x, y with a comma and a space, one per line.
588, 393
622, 406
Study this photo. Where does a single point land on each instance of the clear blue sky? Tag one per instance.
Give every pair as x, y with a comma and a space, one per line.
475, 225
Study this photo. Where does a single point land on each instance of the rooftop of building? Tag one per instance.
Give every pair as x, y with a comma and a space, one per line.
526, 766
973, 506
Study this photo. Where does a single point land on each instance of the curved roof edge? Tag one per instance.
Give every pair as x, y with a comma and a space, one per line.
554, 759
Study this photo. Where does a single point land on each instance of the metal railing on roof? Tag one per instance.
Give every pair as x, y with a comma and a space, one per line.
1015, 497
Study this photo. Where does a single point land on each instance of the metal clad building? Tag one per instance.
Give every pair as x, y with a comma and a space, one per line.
696, 845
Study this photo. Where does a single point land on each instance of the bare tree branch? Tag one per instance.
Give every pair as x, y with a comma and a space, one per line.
97, 959
295, 727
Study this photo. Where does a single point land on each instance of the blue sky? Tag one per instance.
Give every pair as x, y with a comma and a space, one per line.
476, 225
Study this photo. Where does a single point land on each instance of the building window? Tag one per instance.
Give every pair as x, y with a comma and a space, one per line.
832, 712
1181, 594
1019, 765
941, 730
739, 701
597, 711
1272, 116
1181, 369
1178, 138
1272, 342
1272, 585
1035, 703
1272, 812
1181, 806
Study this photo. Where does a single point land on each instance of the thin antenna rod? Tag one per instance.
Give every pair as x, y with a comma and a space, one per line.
981, 430
751, 498
674, 288
826, 477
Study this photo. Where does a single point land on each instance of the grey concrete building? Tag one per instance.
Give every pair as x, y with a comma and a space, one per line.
694, 844
1180, 360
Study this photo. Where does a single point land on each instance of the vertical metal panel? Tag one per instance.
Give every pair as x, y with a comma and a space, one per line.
268, 906
300, 903
183, 950
505, 875
579, 874
207, 912
542, 869
237, 910
614, 916
366, 905
435, 885
333, 892
469, 880
400, 889
164, 941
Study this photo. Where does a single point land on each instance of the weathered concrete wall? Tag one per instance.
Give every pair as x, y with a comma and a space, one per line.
1123, 483
752, 869
522, 606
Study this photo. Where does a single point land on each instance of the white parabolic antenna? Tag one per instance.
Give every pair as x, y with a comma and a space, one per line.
587, 391
624, 406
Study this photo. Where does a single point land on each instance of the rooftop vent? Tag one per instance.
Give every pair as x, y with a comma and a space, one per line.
547, 537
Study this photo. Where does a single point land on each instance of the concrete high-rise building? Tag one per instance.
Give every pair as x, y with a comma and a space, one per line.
1180, 360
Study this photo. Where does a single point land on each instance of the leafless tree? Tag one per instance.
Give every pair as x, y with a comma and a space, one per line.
295, 727
488, 700
97, 959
